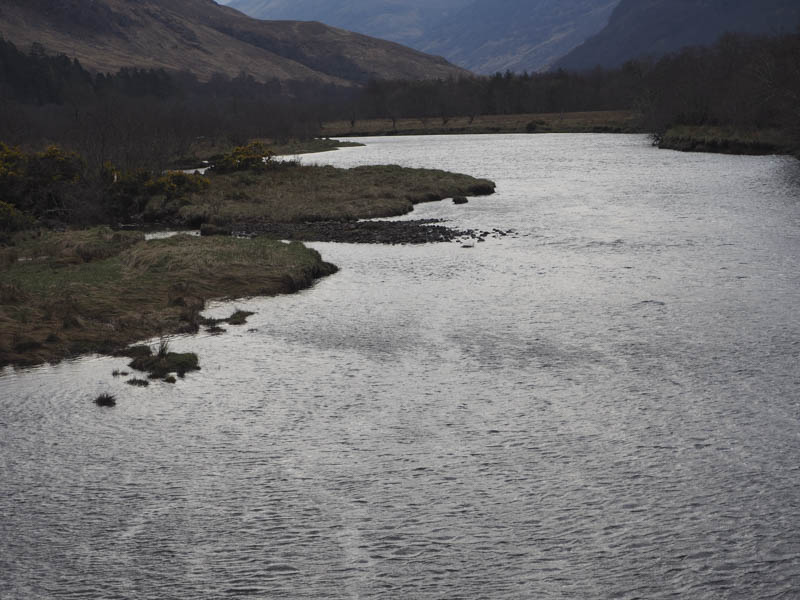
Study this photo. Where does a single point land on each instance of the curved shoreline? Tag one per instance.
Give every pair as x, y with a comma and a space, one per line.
66, 294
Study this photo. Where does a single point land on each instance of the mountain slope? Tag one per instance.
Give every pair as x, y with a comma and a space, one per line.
401, 21
656, 27
204, 38
481, 35
518, 35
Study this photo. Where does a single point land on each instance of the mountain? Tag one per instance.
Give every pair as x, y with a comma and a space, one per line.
204, 37
656, 27
484, 36
518, 35
403, 21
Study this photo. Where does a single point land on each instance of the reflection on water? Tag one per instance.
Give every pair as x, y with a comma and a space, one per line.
604, 406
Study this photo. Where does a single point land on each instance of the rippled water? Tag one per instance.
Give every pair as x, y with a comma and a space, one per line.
605, 404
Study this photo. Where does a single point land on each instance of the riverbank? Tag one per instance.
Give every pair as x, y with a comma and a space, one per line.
295, 193
97, 290
727, 140
203, 153
622, 121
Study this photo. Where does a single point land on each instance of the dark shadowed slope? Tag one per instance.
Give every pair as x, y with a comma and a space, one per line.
656, 27
481, 35
403, 21
518, 35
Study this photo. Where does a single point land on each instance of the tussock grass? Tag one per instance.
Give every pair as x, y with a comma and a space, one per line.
105, 400
239, 317
322, 193
161, 363
730, 140
52, 308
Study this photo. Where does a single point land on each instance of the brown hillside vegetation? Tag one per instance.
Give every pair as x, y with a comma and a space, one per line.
205, 38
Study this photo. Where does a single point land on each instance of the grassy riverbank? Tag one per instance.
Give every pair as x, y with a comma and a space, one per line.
575, 122
297, 193
727, 140
97, 290
203, 151
67, 293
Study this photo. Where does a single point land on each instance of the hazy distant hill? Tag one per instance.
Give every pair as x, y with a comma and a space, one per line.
204, 37
521, 35
655, 27
480, 35
403, 21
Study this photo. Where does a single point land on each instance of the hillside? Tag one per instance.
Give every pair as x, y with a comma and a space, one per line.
520, 36
403, 21
205, 38
484, 36
656, 27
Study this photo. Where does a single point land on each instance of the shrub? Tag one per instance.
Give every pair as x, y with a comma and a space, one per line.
133, 193
253, 157
12, 219
40, 183
176, 185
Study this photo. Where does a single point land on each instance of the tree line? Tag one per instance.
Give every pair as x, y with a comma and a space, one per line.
743, 81
146, 117
77, 146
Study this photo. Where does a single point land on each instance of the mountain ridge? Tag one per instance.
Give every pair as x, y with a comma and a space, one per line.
639, 28
204, 37
484, 36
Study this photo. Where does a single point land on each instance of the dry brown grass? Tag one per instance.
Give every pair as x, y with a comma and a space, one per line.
727, 140
576, 122
313, 193
51, 308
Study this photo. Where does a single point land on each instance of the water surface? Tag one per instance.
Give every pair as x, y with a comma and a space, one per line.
604, 404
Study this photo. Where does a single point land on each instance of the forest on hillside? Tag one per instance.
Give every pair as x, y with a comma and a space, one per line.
144, 121
743, 81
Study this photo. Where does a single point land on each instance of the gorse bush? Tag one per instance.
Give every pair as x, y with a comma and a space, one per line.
130, 195
176, 185
42, 184
56, 185
253, 157
12, 220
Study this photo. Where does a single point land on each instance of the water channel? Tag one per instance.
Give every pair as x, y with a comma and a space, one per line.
604, 403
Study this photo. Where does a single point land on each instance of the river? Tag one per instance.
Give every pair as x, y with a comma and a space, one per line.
604, 403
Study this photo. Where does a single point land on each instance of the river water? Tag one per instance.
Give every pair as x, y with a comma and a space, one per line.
603, 404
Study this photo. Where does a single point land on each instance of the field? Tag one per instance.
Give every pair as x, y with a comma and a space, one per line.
576, 122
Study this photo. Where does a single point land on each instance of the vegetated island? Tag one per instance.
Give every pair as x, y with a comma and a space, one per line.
67, 290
